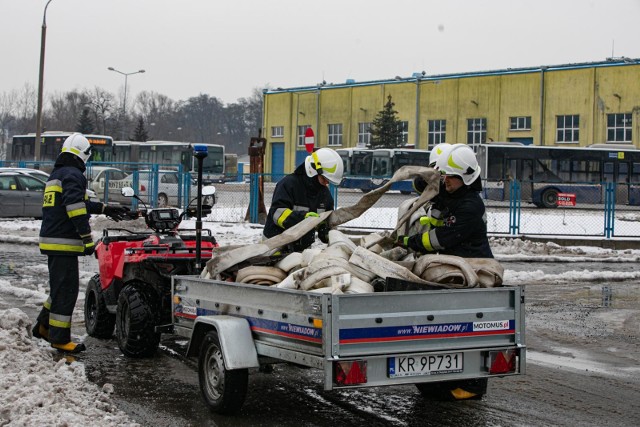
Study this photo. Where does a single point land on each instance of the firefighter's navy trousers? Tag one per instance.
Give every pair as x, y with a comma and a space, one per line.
64, 283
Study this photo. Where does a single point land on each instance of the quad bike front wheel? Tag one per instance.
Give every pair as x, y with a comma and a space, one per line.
136, 321
223, 390
97, 319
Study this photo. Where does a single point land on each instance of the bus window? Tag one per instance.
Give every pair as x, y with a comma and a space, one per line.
544, 171
579, 171
623, 173
593, 173
564, 170
608, 172
494, 168
635, 173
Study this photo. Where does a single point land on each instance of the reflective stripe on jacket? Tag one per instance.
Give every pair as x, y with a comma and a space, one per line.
65, 212
296, 195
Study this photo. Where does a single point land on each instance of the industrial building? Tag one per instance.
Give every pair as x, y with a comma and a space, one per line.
561, 105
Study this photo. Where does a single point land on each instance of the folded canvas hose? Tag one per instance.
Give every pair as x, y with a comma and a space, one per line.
290, 262
225, 258
490, 272
449, 270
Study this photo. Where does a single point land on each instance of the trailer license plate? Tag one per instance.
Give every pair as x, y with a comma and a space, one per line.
425, 364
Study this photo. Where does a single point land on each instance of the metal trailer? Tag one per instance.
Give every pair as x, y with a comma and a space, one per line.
447, 342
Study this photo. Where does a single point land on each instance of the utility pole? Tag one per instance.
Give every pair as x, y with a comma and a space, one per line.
43, 37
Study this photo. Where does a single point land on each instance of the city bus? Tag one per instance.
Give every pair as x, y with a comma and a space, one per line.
173, 153
545, 172
23, 147
367, 169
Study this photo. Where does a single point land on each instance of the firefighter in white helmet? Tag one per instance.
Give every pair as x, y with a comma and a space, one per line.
305, 193
65, 234
433, 217
462, 230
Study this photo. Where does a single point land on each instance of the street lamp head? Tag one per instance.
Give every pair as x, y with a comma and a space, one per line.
141, 71
111, 69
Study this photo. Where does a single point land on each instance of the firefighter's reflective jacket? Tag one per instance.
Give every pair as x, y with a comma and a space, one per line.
295, 196
65, 212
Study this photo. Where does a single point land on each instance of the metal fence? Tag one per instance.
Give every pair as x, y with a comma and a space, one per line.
607, 210
516, 216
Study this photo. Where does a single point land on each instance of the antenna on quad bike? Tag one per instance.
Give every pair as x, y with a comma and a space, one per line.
199, 152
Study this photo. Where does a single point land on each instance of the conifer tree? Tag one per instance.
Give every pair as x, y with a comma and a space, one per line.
386, 128
85, 124
140, 133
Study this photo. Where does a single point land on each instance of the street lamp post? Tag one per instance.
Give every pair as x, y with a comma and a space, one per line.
36, 151
124, 102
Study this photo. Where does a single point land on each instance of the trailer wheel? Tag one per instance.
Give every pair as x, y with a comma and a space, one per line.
97, 319
454, 390
222, 389
136, 320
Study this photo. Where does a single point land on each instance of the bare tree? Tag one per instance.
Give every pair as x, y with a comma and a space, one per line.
103, 106
65, 110
26, 109
8, 102
160, 114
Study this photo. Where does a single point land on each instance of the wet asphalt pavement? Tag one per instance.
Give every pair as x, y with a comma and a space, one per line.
163, 390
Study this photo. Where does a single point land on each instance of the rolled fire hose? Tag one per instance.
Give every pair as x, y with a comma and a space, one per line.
260, 275
449, 270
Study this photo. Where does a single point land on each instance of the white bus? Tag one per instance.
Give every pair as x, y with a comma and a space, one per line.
173, 153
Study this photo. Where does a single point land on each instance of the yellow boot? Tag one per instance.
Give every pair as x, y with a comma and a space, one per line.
70, 347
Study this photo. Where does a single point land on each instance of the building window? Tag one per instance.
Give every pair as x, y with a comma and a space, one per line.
520, 123
619, 127
404, 127
277, 132
437, 132
568, 128
335, 134
301, 132
476, 131
364, 134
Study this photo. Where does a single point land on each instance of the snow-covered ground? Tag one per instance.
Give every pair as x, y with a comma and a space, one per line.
39, 387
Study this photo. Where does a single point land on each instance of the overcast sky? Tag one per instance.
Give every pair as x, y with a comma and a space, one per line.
228, 48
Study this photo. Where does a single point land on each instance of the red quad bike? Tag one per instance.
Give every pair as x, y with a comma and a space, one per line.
133, 290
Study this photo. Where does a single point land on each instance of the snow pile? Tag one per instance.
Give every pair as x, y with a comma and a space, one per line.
37, 390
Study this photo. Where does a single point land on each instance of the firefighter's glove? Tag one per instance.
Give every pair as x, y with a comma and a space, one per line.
116, 213
89, 246
311, 214
402, 241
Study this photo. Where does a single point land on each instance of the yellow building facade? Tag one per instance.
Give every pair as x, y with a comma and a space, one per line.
572, 105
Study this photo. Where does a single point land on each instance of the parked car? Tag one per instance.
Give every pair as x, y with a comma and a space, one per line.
97, 178
20, 195
168, 188
36, 173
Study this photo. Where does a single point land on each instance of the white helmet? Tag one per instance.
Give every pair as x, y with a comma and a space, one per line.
325, 162
438, 151
460, 161
78, 145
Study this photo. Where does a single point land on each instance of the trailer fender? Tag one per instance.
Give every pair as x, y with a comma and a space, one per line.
238, 349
